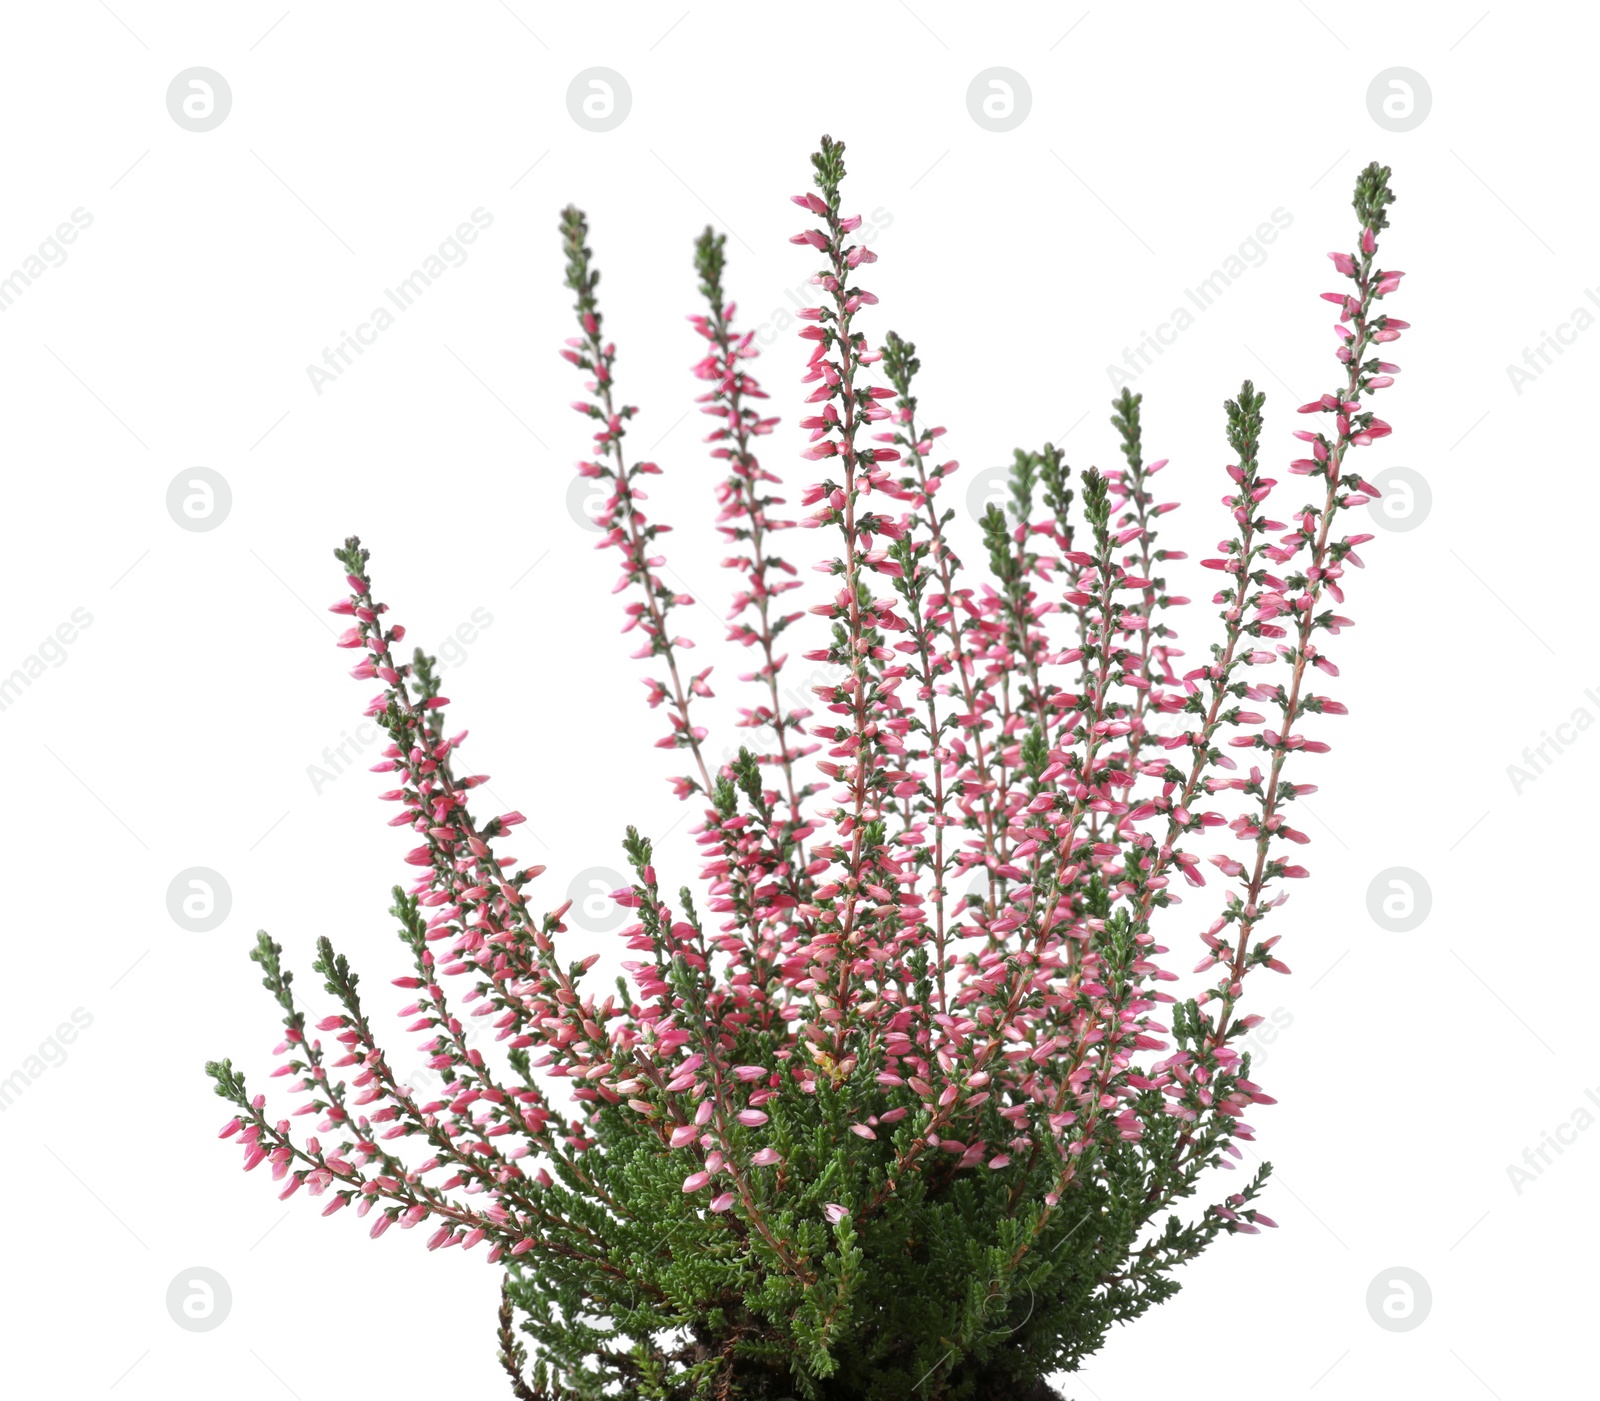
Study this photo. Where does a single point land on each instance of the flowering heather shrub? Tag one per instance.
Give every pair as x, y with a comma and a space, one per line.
897, 1107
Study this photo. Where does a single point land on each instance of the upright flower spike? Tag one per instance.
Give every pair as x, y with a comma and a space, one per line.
894, 1107
1296, 601
755, 619
622, 518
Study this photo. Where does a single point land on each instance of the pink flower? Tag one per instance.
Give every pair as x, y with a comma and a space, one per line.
935, 869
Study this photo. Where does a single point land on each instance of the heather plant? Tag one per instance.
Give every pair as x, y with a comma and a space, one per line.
899, 1104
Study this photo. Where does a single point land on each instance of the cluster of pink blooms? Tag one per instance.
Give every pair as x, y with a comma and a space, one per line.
938, 888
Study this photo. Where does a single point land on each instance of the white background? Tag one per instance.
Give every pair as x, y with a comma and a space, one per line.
179, 727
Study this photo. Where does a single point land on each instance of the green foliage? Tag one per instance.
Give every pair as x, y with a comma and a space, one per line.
1373, 197
753, 1186
949, 1291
